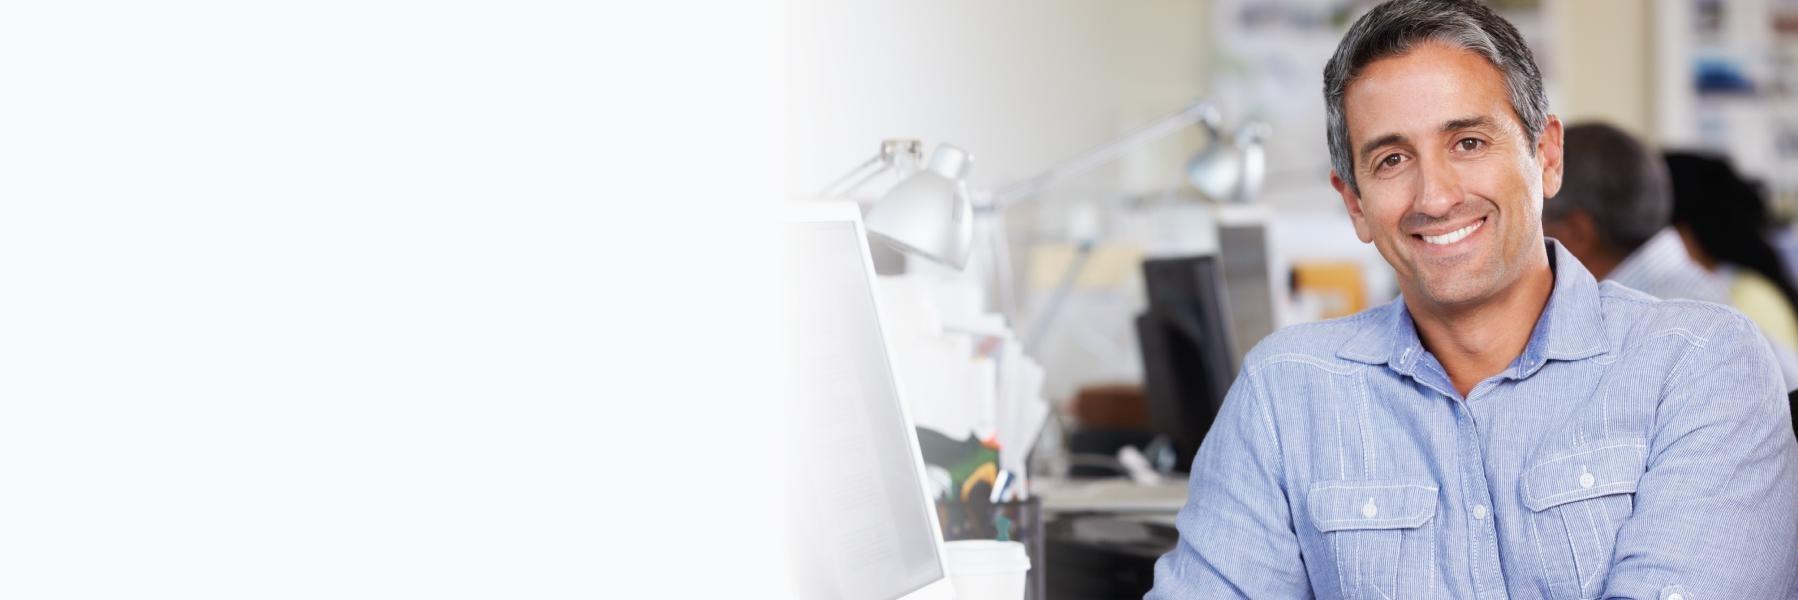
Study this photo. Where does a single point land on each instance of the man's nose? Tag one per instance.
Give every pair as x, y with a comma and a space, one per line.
1441, 187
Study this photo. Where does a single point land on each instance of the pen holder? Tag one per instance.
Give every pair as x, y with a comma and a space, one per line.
978, 519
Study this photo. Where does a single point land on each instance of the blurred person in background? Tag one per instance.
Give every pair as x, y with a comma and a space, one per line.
1615, 213
1724, 223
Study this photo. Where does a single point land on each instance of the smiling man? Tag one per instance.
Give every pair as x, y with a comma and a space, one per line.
1508, 427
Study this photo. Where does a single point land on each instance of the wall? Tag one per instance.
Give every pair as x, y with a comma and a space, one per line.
1603, 62
1020, 84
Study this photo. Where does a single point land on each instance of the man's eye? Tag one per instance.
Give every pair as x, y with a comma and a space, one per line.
1471, 144
1391, 160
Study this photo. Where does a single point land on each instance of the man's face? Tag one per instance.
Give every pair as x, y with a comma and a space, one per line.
1451, 188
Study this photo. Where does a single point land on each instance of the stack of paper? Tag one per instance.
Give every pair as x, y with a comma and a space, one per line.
963, 372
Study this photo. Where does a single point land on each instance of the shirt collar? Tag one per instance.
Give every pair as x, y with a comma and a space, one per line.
1571, 326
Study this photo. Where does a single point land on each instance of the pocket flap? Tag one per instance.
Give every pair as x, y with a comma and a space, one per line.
1370, 504
1611, 468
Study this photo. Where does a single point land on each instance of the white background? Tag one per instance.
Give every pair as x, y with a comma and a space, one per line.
385, 299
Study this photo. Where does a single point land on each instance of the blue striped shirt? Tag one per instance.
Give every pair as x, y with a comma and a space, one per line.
1637, 448
1662, 268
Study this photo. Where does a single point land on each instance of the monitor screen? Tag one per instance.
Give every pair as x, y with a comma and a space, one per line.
1188, 358
863, 525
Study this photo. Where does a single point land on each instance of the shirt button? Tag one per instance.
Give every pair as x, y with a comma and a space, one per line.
1586, 480
1479, 512
1369, 510
1676, 596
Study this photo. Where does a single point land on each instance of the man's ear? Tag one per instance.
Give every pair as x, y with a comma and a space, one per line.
1549, 150
1352, 201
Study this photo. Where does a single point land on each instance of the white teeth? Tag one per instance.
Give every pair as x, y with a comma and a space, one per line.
1454, 236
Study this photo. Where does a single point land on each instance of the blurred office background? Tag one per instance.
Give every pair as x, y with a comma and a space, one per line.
1024, 85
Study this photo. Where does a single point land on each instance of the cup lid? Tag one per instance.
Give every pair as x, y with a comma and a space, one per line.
976, 557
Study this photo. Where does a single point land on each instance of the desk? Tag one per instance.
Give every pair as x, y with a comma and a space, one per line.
1104, 535
1111, 495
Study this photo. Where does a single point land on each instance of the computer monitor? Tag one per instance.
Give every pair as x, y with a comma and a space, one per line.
1248, 282
1187, 352
863, 524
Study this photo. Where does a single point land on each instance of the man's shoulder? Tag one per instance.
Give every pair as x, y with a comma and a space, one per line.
1316, 342
1632, 316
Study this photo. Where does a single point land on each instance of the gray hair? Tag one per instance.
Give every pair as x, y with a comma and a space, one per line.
1617, 180
1393, 28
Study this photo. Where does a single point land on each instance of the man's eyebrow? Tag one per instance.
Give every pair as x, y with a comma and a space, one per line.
1481, 122
1390, 138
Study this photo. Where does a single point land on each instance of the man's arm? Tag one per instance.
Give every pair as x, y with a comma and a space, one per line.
1236, 535
1716, 513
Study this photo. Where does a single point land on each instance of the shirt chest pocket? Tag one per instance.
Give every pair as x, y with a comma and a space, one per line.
1381, 533
1578, 501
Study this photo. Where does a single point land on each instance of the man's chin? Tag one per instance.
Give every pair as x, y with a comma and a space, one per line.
1457, 294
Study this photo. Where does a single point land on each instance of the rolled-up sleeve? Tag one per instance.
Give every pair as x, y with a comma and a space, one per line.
1236, 531
1716, 512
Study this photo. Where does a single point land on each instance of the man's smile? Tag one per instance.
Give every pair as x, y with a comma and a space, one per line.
1446, 240
1453, 236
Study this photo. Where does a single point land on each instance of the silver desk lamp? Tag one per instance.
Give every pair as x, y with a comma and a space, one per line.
928, 212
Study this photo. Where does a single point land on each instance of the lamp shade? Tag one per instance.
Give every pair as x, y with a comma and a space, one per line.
1216, 172
928, 213
1231, 170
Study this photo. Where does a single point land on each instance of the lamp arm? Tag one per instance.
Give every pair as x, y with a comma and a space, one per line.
1197, 112
885, 160
833, 191
1045, 320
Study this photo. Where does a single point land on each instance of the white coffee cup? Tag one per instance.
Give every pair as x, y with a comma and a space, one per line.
987, 569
